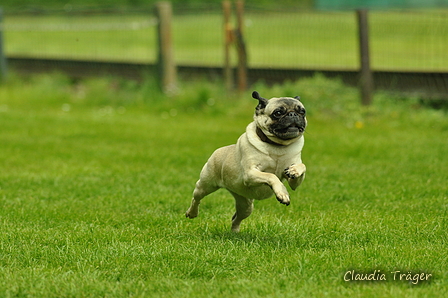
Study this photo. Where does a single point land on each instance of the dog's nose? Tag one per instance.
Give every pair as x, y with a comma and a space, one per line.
292, 114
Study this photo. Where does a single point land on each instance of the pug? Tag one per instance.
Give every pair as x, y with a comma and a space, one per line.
265, 155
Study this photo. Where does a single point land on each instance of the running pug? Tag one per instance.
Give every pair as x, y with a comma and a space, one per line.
253, 168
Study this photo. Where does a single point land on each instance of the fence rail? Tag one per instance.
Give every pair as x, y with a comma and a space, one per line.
428, 85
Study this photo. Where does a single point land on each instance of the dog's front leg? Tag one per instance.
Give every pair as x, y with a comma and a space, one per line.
256, 177
295, 175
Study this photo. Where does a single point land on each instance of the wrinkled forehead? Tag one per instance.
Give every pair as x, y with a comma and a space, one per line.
287, 102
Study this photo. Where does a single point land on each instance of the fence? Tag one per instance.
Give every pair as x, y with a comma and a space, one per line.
408, 48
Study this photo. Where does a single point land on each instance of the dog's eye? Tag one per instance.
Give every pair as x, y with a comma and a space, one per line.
302, 111
277, 113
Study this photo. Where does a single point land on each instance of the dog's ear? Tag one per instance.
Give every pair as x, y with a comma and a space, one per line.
297, 97
262, 102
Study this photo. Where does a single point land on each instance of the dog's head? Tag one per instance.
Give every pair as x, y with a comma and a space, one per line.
281, 119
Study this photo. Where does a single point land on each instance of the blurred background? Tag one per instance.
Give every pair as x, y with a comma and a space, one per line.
283, 40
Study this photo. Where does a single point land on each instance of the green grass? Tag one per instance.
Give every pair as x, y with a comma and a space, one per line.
96, 176
399, 40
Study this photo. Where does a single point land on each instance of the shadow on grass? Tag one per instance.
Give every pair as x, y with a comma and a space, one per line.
258, 237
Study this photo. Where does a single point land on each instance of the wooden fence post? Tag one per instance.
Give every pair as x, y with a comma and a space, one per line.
366, 78
165, 60
241, 47
228, 39
234, 36
3, 67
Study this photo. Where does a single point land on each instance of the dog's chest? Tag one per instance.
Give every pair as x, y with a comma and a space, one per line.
277, 164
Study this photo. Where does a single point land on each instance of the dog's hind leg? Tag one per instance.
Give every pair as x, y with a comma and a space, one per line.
201, 190
244, 208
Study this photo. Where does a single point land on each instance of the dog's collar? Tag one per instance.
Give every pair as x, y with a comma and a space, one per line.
265, 139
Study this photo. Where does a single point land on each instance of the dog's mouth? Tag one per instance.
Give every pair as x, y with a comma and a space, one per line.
289, 132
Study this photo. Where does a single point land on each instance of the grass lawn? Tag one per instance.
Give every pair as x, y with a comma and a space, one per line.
96, 176
399, 40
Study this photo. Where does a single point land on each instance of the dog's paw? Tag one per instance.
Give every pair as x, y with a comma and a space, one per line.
295, 171
191, 213
281, 193
283, 198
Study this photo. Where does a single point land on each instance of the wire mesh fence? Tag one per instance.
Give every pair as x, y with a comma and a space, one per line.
107, 37
400, 40
404, 40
